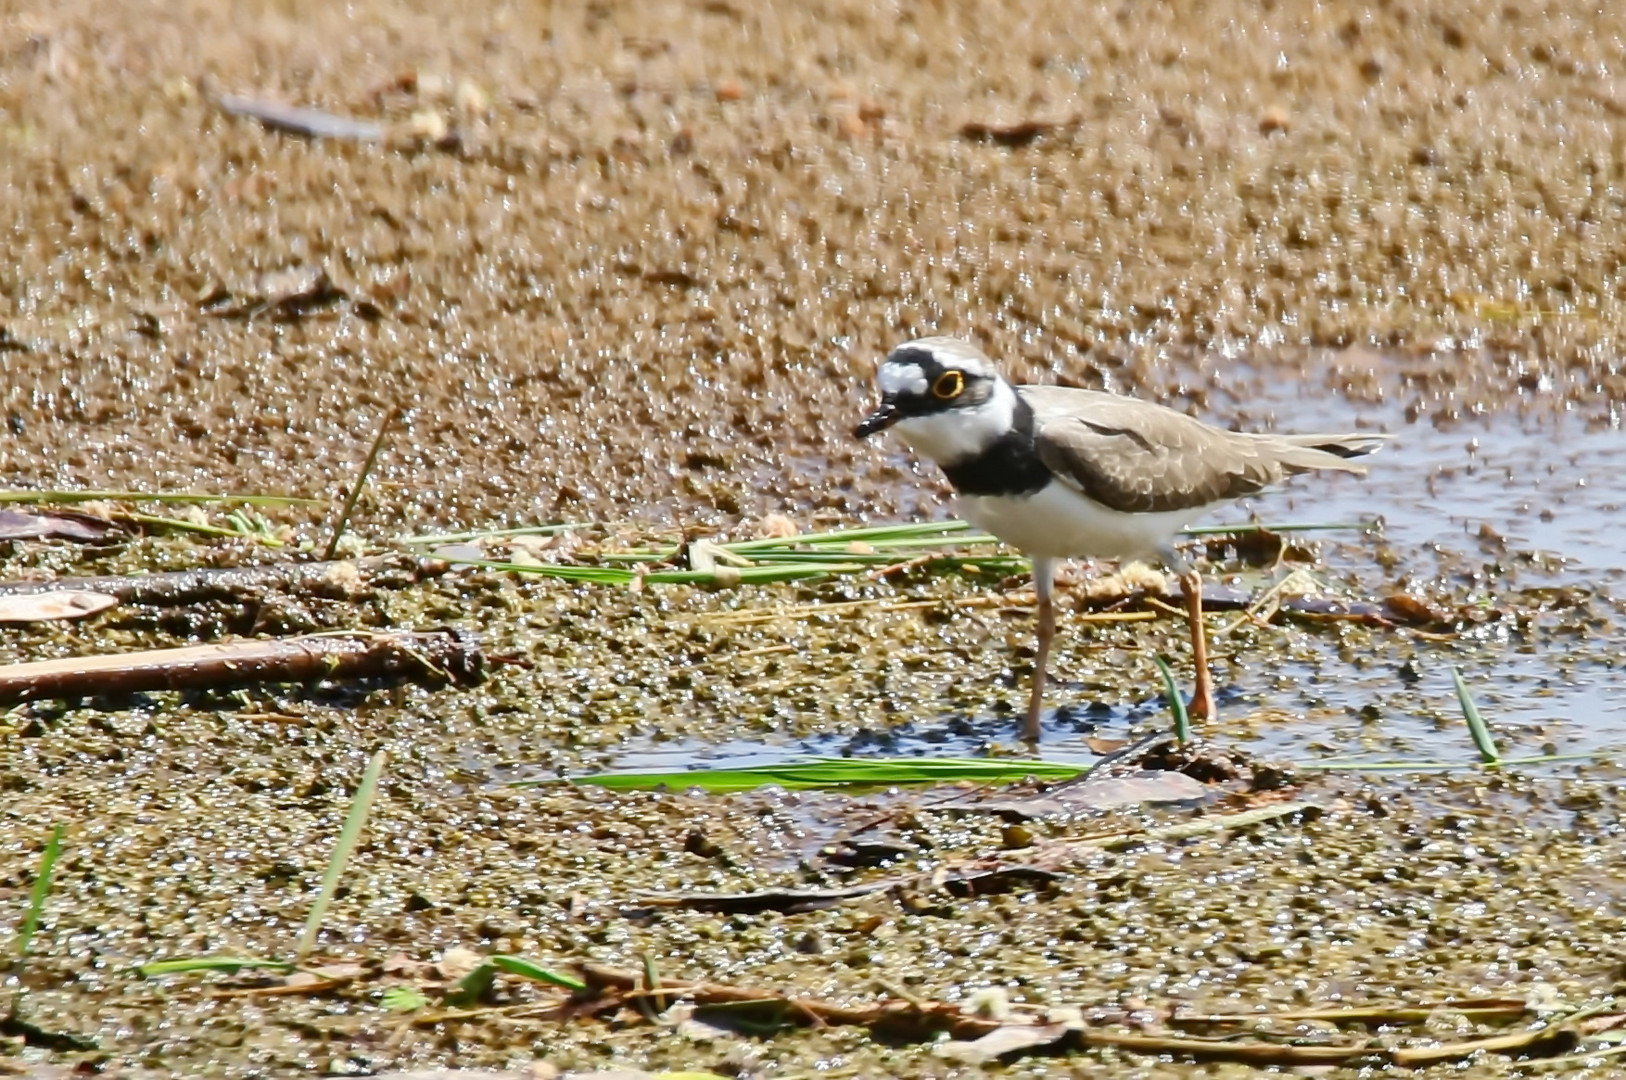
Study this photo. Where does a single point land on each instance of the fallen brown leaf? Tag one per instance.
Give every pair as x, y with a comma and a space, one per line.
52, 525
1010, 1039
47, 607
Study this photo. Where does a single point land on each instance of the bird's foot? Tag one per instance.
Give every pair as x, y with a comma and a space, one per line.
1201, 706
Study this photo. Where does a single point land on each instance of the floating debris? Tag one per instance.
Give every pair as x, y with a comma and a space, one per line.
53, 525
298, 120
51, 606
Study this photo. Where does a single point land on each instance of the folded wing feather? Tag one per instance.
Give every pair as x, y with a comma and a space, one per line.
1139, 457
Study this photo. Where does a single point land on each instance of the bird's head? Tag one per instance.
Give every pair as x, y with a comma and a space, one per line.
945, 398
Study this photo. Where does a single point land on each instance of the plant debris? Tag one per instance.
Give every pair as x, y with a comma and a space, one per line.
286, 296
48, 607
53, 525
433, 659
1105, 793
342, 579
297, 120
1020, 133
787, 900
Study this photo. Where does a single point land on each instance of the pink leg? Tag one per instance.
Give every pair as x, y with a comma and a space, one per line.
1044, 580
1202, 698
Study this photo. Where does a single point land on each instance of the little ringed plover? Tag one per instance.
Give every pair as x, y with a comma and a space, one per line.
1062, 473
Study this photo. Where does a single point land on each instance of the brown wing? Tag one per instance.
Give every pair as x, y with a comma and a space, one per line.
1139, 457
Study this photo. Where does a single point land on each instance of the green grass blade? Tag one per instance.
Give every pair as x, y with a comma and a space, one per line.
229, 964
1339, 764
1384, 766
1177, 703
1476, 723
880, 544
821, 558
348, 836
67, 497
754, 575
1543, 759
403, 999
882, 558
474, 986
831, 772
36, 905
354, 495
528, 969
158, 521
869, 534
596, 575
496, 534
727, 575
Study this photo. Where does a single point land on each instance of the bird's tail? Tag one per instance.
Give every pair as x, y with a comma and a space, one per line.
1301, 453
1345, 446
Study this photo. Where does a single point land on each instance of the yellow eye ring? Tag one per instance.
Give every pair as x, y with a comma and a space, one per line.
949, 385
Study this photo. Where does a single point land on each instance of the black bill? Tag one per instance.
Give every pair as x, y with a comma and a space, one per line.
885, 415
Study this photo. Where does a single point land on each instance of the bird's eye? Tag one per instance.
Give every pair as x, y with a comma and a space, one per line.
949, 385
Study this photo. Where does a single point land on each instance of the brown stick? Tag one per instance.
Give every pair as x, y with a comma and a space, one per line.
243, 583
911, 1019
434, 659
1258, 1054
1556, 1039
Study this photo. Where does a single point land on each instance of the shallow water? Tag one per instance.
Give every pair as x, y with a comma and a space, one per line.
1548, 480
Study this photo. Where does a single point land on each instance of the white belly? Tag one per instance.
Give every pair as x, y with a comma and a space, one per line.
1060, 523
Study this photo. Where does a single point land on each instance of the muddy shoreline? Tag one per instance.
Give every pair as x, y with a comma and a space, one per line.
633, 266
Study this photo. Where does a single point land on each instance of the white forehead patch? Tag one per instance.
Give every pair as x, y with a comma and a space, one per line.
901, 377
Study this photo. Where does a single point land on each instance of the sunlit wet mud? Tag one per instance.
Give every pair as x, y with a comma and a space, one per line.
634, 264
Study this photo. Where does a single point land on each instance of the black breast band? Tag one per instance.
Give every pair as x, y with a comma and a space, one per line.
1009, 466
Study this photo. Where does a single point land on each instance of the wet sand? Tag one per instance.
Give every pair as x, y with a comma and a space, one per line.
669, 243
635, 263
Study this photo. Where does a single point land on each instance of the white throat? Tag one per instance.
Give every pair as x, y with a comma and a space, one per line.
959, 434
